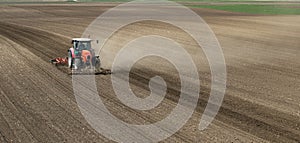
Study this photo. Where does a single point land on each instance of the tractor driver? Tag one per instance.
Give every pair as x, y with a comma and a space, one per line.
81, 46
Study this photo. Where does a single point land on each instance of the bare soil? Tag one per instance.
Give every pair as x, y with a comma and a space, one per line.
262, 101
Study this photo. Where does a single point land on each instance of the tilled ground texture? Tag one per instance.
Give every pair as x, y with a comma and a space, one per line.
262, 102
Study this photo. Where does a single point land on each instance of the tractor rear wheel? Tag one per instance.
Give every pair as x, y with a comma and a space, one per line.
70, 60
98, 63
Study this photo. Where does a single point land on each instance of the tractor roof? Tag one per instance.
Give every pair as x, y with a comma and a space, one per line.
82, 39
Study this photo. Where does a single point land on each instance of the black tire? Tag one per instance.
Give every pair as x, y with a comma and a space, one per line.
97, 64
70, 60
77, 63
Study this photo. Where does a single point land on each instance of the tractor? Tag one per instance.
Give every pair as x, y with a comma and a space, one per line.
81, 58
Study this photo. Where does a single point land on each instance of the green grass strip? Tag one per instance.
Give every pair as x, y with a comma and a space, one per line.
256, 9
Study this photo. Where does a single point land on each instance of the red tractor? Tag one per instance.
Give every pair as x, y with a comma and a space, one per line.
81, 57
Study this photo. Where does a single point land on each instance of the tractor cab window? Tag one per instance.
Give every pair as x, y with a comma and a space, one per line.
82, 45
88, 45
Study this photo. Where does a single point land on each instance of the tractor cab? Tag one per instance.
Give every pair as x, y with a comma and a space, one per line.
81, 54
80, 44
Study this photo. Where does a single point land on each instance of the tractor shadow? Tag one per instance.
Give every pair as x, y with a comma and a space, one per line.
103, 72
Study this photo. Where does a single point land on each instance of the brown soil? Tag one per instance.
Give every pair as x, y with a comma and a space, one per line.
37, 102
